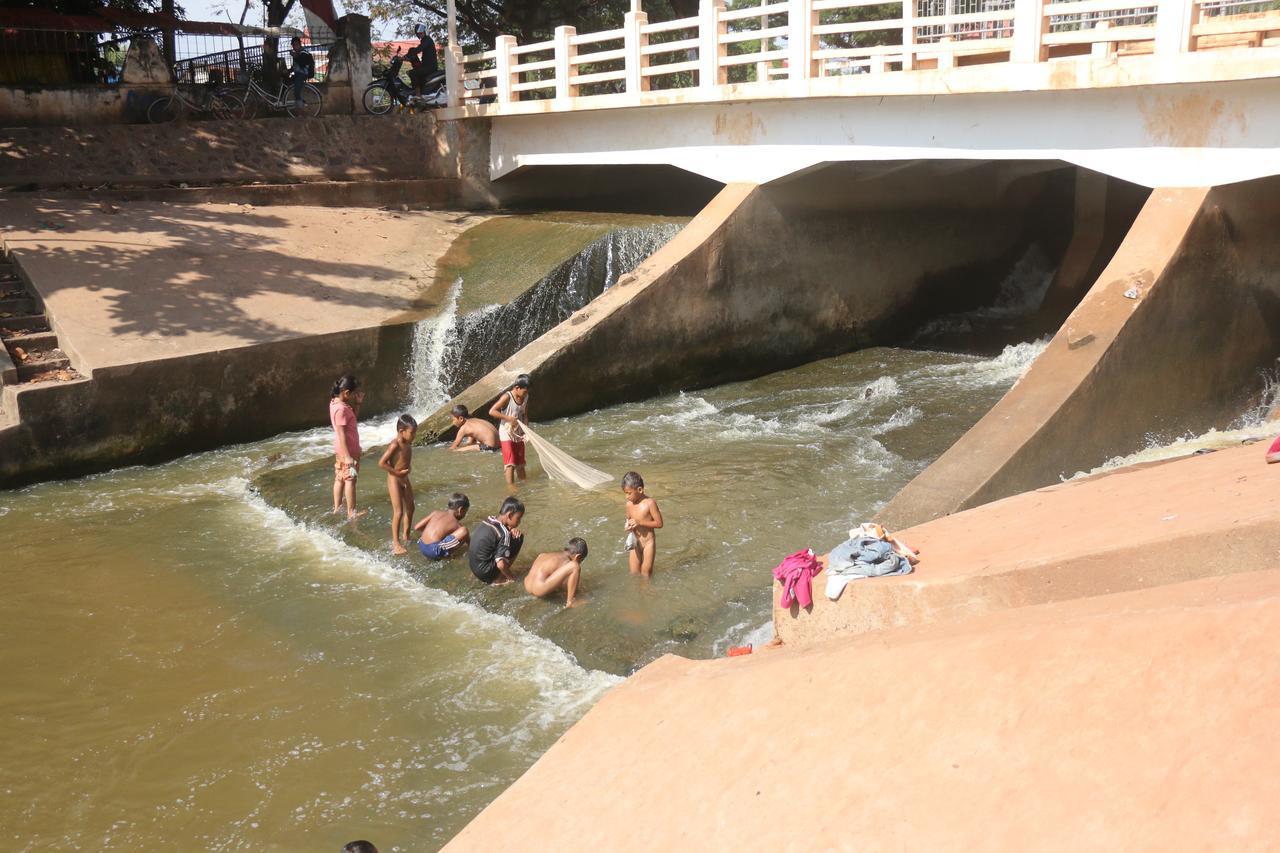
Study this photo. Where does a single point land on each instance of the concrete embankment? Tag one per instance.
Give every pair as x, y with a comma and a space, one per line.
768, 277
203, 325
443, 160
1142, 720
1123, 530
1170, 339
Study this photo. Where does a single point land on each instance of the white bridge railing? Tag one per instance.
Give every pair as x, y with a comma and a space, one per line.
790, 40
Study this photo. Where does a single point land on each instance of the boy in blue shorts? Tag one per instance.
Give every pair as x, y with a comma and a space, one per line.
442, 533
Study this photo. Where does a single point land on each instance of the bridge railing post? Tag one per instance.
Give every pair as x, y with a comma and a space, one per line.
453, 75
1028, 31
1174, 21
503, 46
710, 50
565, 52
908, 34
634, 41
801, 20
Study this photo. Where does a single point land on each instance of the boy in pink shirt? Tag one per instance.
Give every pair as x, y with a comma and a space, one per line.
344, 402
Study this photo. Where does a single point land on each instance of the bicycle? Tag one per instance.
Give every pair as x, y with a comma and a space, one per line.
255, 96
218, 102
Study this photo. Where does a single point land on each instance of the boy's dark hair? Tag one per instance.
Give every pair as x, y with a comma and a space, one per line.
577, 547
632, 480
406, 422
522, 381
460, 412
296, 40
346, 383
359, 847
510, 505
458, 500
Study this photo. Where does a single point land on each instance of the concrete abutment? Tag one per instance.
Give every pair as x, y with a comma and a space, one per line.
1170, 339
770, 277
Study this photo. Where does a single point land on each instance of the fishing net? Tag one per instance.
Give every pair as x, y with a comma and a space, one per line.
561, 466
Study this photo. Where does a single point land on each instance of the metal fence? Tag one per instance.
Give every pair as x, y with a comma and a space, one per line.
241, 62
53, 57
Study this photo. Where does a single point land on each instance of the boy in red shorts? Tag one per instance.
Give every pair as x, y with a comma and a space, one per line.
511, 410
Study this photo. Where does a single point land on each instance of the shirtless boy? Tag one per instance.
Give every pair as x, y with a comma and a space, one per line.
551, 571
442, 533
643, 517
396, 461
473, 433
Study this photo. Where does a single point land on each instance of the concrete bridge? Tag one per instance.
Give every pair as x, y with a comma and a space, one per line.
1171, 94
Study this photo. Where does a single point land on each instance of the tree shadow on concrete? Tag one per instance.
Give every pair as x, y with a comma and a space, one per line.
177, 270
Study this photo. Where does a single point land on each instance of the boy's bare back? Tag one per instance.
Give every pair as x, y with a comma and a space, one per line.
439, 524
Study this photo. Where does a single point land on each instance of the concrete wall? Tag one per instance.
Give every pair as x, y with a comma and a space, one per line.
1182, 355
337, 147
771, 277
154, 411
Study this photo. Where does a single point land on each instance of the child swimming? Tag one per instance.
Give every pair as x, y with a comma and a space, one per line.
561, 568
344, 401
473, 433
643, 517
396, 460
442, 533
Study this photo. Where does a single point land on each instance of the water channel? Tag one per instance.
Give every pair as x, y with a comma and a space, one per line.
199, 657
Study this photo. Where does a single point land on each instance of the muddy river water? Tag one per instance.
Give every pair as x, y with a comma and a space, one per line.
197, 656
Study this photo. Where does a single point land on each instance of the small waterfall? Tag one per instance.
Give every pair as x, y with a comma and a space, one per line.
427, 356
450, 352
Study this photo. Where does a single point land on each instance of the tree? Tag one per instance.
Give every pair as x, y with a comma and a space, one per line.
480, 22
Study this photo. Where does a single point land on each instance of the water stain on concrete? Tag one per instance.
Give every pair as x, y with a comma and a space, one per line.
738, 129
1190, 120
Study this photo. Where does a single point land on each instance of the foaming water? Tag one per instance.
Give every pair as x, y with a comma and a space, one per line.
1260, 422
221, 676
482, 339
427, 390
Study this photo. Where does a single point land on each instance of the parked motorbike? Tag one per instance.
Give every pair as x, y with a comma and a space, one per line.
390, 92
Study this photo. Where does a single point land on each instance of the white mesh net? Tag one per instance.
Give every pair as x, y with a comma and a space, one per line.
561, 466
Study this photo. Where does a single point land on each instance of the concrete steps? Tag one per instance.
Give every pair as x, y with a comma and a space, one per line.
29, 353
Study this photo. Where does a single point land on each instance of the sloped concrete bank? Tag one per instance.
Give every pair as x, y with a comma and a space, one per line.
1122, 530
1170, 339
768, 277
1143, 720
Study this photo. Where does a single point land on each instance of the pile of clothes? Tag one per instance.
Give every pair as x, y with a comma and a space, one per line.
863, 555
869, 552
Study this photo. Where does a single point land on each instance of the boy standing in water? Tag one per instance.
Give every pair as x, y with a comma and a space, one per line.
344, 399
551, 571
643, 517
396, 461
442, 531
512, 409
473, 433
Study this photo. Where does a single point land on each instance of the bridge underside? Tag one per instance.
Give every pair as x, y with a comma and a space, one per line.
1173, 135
